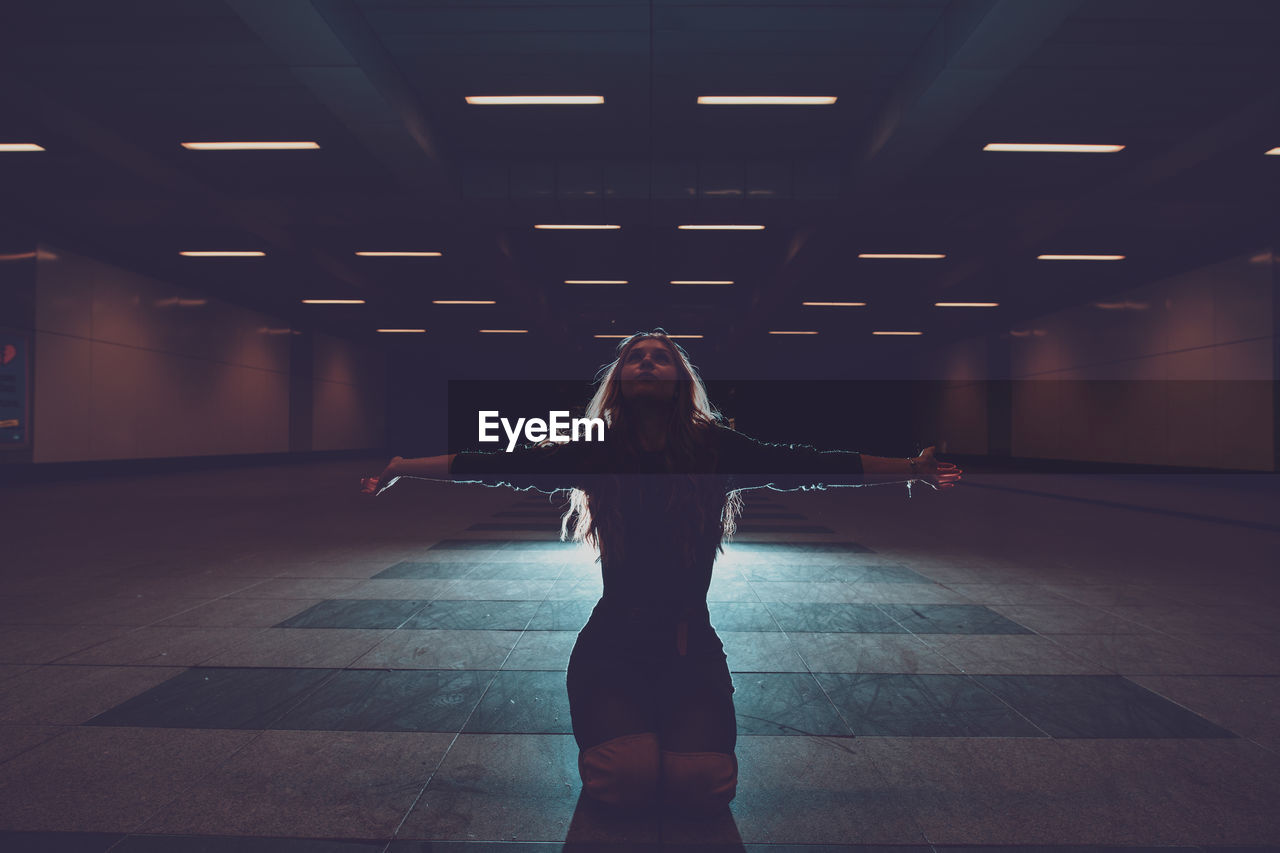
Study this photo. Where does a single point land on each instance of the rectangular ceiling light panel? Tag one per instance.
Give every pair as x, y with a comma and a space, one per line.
250, 146
721, 227
900, 256
399, 254
766, 100
1052, 148
526, 100
1079, 257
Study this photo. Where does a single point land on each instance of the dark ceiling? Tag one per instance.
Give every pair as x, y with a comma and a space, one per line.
895, 165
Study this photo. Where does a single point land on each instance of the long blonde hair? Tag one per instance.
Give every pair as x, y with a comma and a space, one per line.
708, 516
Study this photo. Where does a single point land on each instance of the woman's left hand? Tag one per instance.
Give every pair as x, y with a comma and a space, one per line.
374, 486
939, 475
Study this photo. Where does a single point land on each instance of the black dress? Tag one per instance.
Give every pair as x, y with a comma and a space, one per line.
649, 658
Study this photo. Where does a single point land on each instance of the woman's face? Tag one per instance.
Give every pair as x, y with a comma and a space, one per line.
649, 371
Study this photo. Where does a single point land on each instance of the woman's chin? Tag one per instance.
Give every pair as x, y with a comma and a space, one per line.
649, 393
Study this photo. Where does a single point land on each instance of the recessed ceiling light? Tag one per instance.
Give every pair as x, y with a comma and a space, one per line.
401, 331
504, 331
595, 281
690, 337
900, 256
695, 281
897, 333
250, 146
464, 302
966, 304
399, 254
497, 100
221, 254
786, 100
1079, 257
612, 337
1273, 151
721, 227
834, 304
549, 227
333, 302
19, 146
792, 333
1052, 147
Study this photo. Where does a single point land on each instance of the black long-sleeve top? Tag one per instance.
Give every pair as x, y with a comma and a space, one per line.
666, 550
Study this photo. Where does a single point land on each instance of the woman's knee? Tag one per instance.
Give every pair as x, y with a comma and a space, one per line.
699, 781
622, 771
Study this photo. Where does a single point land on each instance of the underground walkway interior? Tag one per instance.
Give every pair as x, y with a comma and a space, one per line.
260, 659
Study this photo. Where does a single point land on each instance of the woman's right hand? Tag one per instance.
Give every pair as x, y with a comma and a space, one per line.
374, 486
939, 475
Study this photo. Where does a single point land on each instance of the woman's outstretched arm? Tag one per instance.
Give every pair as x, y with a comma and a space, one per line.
923, 468
424, 467
545, 467
756, 464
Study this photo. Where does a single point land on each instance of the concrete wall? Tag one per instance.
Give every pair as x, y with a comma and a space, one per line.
1179, 371
128, 367
348, 395
955, 414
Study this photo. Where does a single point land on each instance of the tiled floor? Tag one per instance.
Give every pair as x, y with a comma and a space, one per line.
260, 659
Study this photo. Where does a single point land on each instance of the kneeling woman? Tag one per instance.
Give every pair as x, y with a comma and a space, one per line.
649, 689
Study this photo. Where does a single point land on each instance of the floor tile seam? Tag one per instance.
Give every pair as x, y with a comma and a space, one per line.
1110, 610
1133, 684
62, 659
1079, 656
1183, 637
975, 598
1274, 749
460, 580
940, 651
974, 680
834, 603
195, 781
812, 675
1091, 607
299, 698
1098, 661
63, 729
1101, 609
1071, 655
427, 784
1190, 710
523, 631
224, 597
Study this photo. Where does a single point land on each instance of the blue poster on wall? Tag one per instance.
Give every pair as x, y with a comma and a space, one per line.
14, 417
